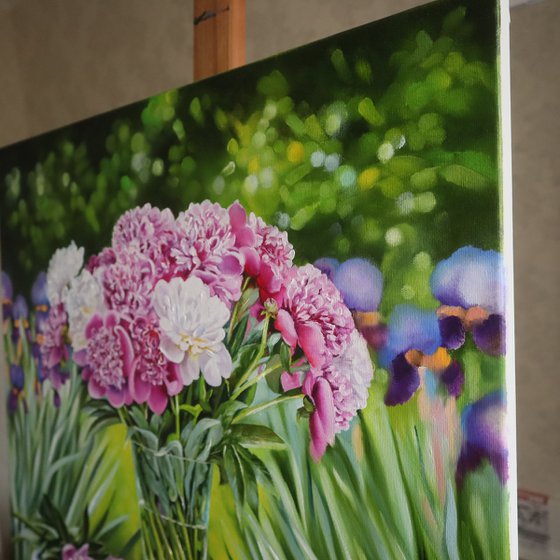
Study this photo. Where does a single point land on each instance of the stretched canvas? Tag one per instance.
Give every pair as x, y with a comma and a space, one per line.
269, 315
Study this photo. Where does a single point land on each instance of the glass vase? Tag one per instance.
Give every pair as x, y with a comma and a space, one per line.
174, 495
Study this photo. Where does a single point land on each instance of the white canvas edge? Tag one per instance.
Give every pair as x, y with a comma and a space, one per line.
507, 233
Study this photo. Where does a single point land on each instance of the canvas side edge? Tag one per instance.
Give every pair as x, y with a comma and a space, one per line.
507, 221
5, 510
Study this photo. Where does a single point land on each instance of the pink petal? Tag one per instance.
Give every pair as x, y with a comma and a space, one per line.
95, 390
111, 320
312, 342
309, 383
231, 265
80, 357
245, 237
157, 400
252, 260
173, 381
139, 389
321, 422
290, 381
237, 216
267, 280
284, 324
94, 324
126, 349
116, 397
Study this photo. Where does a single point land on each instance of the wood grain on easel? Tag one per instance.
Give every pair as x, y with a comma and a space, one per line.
219, 36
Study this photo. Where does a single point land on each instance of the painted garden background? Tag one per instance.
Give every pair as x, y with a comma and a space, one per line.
377, 152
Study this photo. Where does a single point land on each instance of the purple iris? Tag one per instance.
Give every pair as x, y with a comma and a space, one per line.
39, 290
17, 383
409, 328
472, 278
361, 284
327, 266
7, 295
40, 300
20, 315
484, 437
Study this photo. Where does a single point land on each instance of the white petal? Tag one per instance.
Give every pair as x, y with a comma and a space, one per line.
216, 366
170, 350
190, 370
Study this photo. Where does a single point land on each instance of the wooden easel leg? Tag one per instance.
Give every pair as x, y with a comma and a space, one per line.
219, 36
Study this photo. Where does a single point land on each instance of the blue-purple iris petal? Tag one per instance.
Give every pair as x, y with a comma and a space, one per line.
17, 378
361, 284
39, 290
20, 309
327, 266
452, 332
490, 337
453, 378
484, 436
404, 381
56, 399
410, 328
13, 401
470, 277
375, 335
7, 289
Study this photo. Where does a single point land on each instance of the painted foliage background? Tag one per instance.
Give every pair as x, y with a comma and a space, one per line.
380, 143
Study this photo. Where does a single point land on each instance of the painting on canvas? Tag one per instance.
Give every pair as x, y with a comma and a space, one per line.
268, 315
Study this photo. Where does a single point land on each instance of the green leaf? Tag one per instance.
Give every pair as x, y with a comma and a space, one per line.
464, 177
286, 357
252, 435
369, 112
193, 410
405, 166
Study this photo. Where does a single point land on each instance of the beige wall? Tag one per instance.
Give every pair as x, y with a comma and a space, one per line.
64, 60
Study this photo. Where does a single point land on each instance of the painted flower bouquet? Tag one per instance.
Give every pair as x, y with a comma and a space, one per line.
186, 328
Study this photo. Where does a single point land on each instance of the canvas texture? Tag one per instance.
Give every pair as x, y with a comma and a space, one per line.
264, 315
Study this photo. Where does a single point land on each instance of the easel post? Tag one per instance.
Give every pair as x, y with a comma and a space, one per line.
219, 36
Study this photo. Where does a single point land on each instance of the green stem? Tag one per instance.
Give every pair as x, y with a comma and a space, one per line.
239, 387
185, 533
235, 311
154, 533
263, 406
258, 377
177, 418
161, 528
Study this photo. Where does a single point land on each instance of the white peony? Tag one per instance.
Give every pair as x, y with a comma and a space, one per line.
81, 300
64, 266
191, 323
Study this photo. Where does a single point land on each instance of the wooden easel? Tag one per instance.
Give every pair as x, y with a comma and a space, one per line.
219, 36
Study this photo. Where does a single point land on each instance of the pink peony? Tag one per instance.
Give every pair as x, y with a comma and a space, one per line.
337, 392
154, 378
96, 262
350, 376
313, 316
205, 248
70, 552
128, 283
107, 359
267, 251
148, 231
